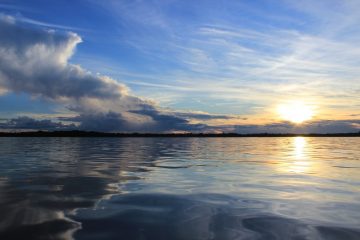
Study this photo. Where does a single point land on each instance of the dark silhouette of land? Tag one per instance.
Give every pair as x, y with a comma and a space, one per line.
104, 134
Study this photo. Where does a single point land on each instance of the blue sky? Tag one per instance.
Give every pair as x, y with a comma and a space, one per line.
236, 58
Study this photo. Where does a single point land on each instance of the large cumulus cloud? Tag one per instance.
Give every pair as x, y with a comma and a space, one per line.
36, 61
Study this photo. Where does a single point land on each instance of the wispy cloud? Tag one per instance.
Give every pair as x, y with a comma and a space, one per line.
308, 51
49, 25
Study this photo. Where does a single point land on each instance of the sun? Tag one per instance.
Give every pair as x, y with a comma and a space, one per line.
295, 111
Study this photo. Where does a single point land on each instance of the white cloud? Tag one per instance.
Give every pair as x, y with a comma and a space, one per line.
36, 62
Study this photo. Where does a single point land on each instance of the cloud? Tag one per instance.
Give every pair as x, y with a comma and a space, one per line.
202, 116
147, 120
3, 91
299, 49
33, 124
168, 120
36, 62
322, 126
117, 122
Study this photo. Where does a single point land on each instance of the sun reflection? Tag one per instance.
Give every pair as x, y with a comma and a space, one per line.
299, 146
301, 163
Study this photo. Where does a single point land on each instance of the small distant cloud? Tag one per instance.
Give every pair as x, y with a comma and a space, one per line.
3, 91
202, 115
28, 123
323, 126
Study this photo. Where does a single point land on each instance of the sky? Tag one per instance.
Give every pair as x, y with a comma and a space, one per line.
246, 66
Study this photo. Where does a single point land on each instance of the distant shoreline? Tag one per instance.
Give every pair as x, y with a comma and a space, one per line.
198, 135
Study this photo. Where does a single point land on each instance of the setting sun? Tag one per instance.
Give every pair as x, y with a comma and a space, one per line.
296, 112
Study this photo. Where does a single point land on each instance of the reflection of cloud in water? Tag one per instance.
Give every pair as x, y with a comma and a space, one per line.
21, 218
66, 175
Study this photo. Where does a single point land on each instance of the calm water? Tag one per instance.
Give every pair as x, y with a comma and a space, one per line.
180, 188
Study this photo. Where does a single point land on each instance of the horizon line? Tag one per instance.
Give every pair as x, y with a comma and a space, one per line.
79, 133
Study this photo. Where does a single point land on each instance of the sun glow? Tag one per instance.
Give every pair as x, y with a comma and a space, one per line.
296, 112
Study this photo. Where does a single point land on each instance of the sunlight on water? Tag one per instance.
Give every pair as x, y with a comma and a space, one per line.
170, 188
299, 145
301, 163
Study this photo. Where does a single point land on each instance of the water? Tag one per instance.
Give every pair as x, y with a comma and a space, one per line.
180, 188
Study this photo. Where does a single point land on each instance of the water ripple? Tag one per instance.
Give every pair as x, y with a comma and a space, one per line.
188, 188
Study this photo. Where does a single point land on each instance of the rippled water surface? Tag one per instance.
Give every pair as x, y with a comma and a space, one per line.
180, 188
